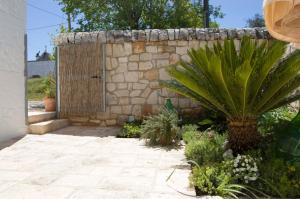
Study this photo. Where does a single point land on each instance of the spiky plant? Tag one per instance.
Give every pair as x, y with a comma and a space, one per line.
241, 84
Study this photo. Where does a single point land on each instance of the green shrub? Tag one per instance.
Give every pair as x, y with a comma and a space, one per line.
272, 119
206, 150
161, 129
189, 133
130, 130
212, 180
283, 175
50, 87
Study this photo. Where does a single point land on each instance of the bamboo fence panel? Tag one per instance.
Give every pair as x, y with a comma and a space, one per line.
80, 76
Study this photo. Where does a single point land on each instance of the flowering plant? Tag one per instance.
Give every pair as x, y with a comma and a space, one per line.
245, 168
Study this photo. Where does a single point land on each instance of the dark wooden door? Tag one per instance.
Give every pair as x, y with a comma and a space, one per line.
81, 79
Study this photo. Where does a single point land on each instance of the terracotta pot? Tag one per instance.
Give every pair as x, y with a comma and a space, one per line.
50, 104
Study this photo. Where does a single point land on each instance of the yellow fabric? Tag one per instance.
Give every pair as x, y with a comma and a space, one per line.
283, 19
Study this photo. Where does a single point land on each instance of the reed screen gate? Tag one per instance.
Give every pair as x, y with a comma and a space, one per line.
81, 79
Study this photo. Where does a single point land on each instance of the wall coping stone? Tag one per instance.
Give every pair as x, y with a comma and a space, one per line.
149, 35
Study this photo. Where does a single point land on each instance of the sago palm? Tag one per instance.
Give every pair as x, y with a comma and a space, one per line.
241, 84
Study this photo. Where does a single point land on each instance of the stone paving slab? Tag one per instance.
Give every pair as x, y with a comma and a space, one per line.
87, 163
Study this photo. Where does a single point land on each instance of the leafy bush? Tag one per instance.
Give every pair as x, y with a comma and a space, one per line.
285, 176
190, 133
50, 87
208, 149
161, 129
131, 130
270, 120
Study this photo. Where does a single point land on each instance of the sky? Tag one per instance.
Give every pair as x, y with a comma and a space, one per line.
44, 17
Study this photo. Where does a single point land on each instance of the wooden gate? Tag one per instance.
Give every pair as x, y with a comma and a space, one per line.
81, 79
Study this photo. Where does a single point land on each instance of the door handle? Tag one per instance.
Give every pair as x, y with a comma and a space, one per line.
96, 77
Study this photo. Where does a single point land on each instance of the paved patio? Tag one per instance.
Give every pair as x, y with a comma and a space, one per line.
87, 163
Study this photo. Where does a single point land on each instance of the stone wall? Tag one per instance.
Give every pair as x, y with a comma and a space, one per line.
136, 61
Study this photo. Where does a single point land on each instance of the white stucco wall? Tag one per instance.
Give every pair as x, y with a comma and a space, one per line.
12, 87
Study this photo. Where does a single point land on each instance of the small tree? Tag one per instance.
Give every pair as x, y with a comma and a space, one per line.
242, 85
256, 21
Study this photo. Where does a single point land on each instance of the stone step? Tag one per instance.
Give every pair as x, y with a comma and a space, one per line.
35, 117
48, 126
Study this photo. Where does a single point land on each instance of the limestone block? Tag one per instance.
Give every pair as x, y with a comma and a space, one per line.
131, 76
163, 49
162, 63
110, 87
146, 93
154, 35
103, 115
194, 44
130, 86
135, 93
151, 49
122, 93
118, 77
182, 43
114, 63
111, 122
111, 99
108, 63
139, 86
172, 43
160, 55
116, 109
174, 58
122, 67
122, 86
138, 47
145, 65
145, 56
95, 121
126, 109
118, 50
109, 51
124, 100
123, 59
183, 34
137, 100
136, 110
122, 119
182, 50
151, 74
153, 98
185, 58
128, 48
163, 75
163, 35
171, 34
133, 66
154, 85
134, 58
118, 36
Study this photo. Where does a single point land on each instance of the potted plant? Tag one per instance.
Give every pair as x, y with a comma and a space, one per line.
49, 91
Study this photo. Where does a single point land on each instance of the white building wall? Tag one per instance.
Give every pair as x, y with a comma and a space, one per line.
41, 68
12, 80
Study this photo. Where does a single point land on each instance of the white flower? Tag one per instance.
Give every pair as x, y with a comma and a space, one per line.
243, 164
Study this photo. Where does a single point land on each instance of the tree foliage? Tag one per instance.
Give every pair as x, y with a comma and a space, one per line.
136, 14
256, 21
